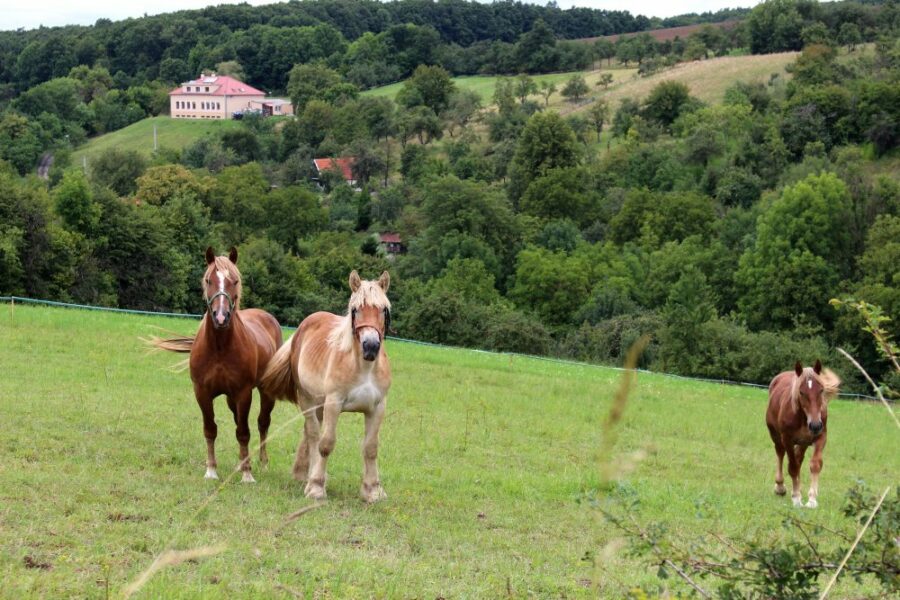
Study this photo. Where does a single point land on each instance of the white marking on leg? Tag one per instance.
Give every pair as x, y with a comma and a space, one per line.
211, 473
247, 477
797, 500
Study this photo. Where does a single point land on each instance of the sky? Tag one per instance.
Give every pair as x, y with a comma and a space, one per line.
20, 14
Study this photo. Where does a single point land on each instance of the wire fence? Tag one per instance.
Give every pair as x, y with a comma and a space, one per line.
552, 359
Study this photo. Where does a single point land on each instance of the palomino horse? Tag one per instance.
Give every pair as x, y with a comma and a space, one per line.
228, 356
797, 418
332, 365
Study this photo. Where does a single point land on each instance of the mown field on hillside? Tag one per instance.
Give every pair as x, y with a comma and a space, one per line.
484, 458
171, 133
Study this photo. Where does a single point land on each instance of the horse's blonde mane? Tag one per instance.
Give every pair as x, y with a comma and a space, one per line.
222, 263
368, 294
829, 381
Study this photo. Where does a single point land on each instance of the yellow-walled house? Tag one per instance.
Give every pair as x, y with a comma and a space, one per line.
214, 96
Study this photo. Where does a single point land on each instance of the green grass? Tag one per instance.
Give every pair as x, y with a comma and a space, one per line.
171, 133
484, 85
482, 456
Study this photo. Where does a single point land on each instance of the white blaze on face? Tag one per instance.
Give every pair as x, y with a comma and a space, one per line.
221, 299
809, 383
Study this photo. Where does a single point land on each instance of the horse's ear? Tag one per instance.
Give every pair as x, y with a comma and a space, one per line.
798, 368
210, 255
818, 367
232, 255
355, 281
384, 281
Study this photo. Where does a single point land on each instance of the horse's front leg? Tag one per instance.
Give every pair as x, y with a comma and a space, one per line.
795, 459
205, 402
323, 446
815, 467
371, 490
240, 404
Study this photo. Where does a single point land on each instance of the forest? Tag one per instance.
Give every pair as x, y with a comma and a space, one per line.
722, 230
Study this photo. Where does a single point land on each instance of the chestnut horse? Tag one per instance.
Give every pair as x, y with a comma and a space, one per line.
797, 418
228, 356
337, 364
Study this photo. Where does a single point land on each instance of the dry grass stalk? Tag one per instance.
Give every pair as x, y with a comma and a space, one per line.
171, 558
855, 542
607, 469
874, 386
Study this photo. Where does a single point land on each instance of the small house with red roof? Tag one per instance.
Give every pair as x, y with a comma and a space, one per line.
212, 96
342, 165
391, 243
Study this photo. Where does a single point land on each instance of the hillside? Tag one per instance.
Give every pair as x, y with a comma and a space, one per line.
171, 133
668, 33
485, 459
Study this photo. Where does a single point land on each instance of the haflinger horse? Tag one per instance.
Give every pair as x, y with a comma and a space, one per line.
797, 418
228, 356
336, 364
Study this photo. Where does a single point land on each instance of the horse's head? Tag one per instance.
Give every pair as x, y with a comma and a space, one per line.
370, 313
221, 287
811, 392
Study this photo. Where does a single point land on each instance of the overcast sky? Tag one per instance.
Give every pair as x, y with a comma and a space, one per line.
20, 13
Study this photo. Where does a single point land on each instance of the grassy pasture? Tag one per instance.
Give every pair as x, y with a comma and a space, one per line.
483, 457
171, 133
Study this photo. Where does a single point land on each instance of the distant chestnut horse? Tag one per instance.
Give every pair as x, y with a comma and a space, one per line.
798, 418
228, 356
337, 364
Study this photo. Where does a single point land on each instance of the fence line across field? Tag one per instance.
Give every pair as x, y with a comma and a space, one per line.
562, 361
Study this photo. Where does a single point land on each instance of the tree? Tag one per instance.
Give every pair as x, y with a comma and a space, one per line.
605, 80
775, 26
118, 169
661, 217
547, 89
547, 142
575, 89
666, 102
309, 82
551, 283
430, 86
800, 253
161, 183
75, 203
19, 143
420, 121
625, 115
562, 193
849, 36
231, 68
536, 50
524, 86
598, 113
464, 106
604, 48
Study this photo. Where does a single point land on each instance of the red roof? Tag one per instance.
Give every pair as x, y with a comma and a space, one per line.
390, 238
219, 85
344, 164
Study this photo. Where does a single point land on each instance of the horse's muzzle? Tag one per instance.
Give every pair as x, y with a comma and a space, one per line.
816, 427
370, 349
221, 320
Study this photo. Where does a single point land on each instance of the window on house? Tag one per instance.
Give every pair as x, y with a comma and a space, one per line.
194, 105
207, 89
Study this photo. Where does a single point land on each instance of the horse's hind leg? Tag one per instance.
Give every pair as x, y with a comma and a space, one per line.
205, 401
322, 447
371, 490
266, 404
779, 455
240, 405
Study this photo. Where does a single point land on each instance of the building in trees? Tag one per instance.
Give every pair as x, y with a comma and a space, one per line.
392, 243
328, 169
212, 96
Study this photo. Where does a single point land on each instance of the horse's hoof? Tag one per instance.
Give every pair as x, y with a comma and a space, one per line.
372, 493
798, 502
247, 477
812, 503
211, 473
314, 491
779, 490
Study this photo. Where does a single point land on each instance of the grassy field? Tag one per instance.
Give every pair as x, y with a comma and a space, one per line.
484, 85
483, 457
171, 133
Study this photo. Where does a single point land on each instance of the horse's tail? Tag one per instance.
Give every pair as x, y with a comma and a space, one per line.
831, 382
177, 344
278, 379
